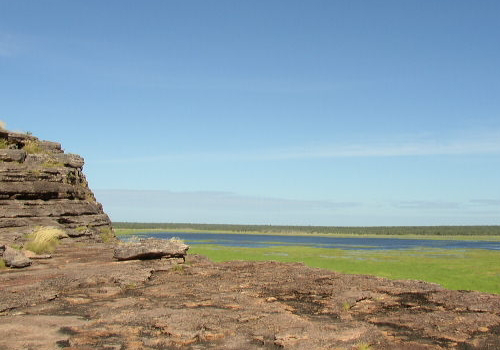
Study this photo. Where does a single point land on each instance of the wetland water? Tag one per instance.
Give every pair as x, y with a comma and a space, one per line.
347, 243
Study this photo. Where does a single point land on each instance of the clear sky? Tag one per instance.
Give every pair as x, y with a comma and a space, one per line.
318, 112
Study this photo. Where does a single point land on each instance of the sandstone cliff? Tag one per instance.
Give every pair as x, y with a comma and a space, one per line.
40, 185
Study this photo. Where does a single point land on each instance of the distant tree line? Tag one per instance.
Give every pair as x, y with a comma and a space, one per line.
377, 230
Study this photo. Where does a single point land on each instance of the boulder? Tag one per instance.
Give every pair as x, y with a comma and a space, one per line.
70, 160
151, 248
52, 146
12, 155
13, 257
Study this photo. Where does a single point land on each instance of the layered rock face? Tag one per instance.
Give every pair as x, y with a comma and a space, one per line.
40, 185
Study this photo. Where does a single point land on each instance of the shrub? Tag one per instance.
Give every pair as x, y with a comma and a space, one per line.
179, 269
3, 144
176, 240
2, 264
107, 234
44, 239
33, 147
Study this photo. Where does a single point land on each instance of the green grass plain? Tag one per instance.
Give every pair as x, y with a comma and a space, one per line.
468, 269
464, 269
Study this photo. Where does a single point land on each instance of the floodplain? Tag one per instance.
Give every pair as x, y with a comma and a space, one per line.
459, 269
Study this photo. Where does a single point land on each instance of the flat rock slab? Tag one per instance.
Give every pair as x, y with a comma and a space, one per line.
38, 331
151, 249
83, 299
32, 255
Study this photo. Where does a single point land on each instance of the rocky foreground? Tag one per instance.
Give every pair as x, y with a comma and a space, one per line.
83, 298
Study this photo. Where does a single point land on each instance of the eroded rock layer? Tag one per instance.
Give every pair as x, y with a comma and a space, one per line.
40, 185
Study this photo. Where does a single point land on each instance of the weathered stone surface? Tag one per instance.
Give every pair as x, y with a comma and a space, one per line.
32, 255
14, 258
12, 155
70, 160
40, 185
83, 299
41, 208
16, 138
51, 146
45, 190
151, 249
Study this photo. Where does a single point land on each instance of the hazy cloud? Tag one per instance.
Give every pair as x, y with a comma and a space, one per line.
487, 207
230, 208
488, 143
215, 200
222, 207
486, 202
417, 204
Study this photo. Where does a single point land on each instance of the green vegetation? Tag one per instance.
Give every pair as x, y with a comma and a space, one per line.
337, 230
476, 233
106, 234
4, 143
33, 147
364, 346
44, 239
71, 177
89, 197
2, 264
346, 306
454, 269
81, 229
52, 163
179, 269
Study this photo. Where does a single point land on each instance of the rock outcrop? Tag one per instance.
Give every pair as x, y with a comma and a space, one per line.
40, 185
151, 248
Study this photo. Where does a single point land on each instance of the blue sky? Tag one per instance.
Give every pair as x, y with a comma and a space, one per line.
270, 112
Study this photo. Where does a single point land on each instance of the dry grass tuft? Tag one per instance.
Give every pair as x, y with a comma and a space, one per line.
176, 240
44, 239
107, 235
33, 147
